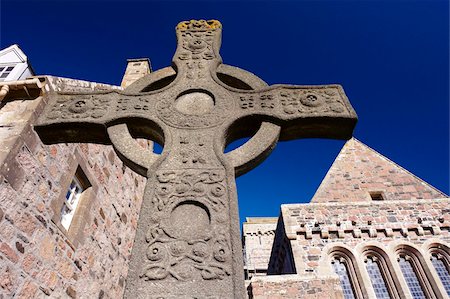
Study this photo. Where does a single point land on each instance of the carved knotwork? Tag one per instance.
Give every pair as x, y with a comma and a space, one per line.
201, 250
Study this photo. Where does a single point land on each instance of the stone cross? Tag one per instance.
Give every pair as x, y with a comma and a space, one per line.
187, 243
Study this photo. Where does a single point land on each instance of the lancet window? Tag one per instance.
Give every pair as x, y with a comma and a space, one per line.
340, 267
377, 278
411, 262
380, 275
343, 265
441, 263
410, 274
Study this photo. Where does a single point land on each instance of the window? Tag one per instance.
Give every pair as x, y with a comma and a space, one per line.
70, 204
340, 267
410, 274
5, 71
376, 278
440, 262
71, 210
343, 263
379, 268
376, 195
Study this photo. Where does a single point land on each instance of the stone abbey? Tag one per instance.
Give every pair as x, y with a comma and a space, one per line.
103, 216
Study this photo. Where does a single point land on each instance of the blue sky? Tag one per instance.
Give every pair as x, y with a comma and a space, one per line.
392, 58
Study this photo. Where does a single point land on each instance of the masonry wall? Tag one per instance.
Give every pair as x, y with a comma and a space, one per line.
38, 259
293, 286
359, 171
257, 238
316, 230
312, 227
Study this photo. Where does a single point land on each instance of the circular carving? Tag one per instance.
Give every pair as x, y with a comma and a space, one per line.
218, 190
242, 159
178, 248
156, 252
201, 250
194, 103
197, 45
196, 108
311, 100
79, 106
189, 221
221, 253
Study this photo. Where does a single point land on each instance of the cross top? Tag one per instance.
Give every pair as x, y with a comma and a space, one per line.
188, 242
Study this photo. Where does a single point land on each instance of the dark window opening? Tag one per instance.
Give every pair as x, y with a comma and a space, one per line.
376, 195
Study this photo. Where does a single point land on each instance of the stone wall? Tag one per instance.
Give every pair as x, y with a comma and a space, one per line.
257, 238
294, 286
317, 230
359, 171
136, 69
311, 227
38, 258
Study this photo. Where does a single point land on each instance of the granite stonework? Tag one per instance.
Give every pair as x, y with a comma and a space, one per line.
309, 236
359, 172
257, 239
39, 258
188, 241
294, 286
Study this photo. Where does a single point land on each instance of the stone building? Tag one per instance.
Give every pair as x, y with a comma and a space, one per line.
14, 64
68, 216
257, 240
372, 230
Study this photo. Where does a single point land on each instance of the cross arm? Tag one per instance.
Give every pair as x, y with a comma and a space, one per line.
84, 117
301, 111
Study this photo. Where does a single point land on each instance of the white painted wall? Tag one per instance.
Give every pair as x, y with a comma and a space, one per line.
13, 56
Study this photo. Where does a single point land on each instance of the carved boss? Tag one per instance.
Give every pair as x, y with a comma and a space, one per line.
188, 242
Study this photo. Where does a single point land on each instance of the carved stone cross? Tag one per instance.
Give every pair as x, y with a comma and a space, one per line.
187, 243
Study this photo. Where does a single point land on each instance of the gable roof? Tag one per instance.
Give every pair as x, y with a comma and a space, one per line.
12, 54
360, 171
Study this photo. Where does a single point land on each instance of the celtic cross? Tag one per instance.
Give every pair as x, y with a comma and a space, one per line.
187, 243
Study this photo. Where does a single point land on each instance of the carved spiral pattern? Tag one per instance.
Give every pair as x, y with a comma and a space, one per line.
170, 255
197, 46
78, 107
311, 101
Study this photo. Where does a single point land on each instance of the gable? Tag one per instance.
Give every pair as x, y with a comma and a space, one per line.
12, 54
359, 173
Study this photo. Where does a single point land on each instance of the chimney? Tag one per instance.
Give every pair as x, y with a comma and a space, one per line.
136, 69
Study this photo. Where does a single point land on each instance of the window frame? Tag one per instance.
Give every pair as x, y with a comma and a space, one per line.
72, 207
410, 254
77, 168
377, 195
385, 267
345, 256
443, 254
4, 70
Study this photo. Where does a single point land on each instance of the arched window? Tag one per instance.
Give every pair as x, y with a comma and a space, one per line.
340, 267
342, 262
410, 274
377, 278
378, 267
414, 275
441, 263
